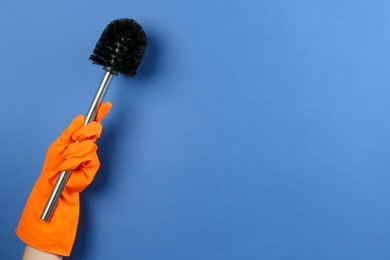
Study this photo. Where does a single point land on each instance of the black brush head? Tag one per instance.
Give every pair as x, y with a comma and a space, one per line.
121, 47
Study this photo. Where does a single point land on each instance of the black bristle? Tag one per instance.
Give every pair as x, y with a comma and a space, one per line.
121, 47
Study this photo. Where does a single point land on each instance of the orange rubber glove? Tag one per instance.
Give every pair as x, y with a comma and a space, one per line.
57, 236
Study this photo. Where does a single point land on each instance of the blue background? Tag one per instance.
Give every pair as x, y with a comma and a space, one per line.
254, 129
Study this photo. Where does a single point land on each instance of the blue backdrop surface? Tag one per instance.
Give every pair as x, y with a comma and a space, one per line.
254, 129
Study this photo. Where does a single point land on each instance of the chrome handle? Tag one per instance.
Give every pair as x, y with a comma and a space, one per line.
64, 176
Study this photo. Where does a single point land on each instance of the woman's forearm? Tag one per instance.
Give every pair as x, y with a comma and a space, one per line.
31, 253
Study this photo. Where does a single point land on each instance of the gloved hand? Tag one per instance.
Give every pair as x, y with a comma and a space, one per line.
57, 236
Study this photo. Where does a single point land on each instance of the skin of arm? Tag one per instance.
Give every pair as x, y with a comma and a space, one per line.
31, 253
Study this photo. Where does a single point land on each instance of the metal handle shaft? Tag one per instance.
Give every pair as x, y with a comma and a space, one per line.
91, 114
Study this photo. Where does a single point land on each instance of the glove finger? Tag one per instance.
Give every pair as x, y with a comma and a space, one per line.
72, 163
92, 131
81, 177
79, 149
104, 109
75, 125
79, 162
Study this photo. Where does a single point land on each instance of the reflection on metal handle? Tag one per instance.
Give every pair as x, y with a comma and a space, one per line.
55, 195
91, 114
